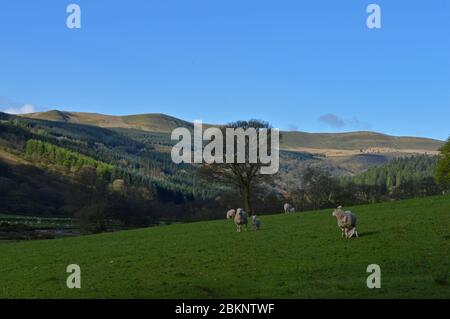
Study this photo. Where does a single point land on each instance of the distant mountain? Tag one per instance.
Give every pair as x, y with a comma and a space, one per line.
353, 143
145, 122
330, 144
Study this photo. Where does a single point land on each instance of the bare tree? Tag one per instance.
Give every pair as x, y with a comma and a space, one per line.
320, 185
243, 177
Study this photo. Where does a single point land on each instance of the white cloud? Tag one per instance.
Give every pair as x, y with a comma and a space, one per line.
24, 109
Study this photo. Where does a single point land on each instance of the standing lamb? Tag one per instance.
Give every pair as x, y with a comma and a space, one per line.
256, 223
231, 213
240, 219
288, 208
346, 221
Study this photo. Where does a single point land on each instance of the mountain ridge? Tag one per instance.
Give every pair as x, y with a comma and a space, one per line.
330, 144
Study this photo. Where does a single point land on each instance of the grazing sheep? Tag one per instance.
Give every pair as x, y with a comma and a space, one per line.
231, 213
346, 221
288, 208
256, 223
240, 219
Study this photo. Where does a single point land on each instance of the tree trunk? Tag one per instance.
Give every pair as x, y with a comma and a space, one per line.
248, 200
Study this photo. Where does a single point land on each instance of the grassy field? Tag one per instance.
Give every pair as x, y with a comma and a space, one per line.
293, 256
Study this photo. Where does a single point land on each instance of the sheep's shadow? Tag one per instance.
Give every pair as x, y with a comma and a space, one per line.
368, 233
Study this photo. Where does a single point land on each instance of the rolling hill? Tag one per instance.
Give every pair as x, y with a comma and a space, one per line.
298, 255
145, 122
331, 144
358, 142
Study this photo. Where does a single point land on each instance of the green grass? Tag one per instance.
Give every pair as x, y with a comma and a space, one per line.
293, 256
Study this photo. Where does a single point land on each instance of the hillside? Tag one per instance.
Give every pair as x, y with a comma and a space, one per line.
146, 122
357, 142
293, 256
42, 181
45, 180
332, 144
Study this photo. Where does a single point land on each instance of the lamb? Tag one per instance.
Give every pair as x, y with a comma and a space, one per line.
346, 221
256, 223
288, 208
240, 219
231, 213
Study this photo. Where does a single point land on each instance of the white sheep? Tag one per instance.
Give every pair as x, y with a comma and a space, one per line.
240, 219
231, 213
346, 221
256, 223
288, 208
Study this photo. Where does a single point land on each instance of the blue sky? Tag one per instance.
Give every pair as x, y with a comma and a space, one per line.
305, 65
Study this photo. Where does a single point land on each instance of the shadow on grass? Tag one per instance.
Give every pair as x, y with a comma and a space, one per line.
368, 233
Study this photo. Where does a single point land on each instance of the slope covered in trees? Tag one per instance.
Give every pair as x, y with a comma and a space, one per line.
399, 171
62, 169
57, 168
443, 166
72, 161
